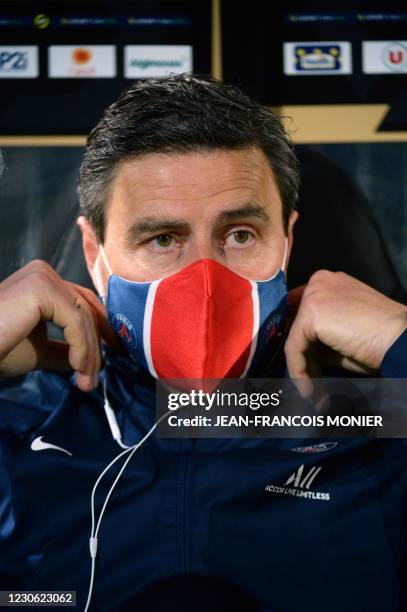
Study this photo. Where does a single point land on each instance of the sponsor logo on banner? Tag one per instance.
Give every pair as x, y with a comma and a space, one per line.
82, 61
41, 21
384, 57
314, 58
19, 62
146, 61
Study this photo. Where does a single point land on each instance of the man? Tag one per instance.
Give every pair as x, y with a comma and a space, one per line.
188, 182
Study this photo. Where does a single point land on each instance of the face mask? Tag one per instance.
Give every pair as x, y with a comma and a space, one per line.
205, 321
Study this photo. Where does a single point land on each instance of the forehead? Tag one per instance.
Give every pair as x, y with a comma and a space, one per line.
191, 182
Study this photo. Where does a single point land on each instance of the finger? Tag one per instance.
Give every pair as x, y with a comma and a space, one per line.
355, 366
99, 313
61, 310
30, 296
56, 357
79, 331
88, 378
327, 357
71, 313
85, 382
94, 339
298, 345
49, 300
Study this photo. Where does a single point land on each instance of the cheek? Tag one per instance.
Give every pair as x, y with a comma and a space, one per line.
259, 263
140, 265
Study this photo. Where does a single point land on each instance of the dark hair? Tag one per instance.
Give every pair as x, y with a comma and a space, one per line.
178, 114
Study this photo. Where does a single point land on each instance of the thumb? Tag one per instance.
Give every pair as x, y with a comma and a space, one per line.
99, 316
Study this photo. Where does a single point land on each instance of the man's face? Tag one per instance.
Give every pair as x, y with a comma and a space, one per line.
166, 211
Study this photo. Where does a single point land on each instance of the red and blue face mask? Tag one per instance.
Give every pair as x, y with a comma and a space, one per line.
204, 321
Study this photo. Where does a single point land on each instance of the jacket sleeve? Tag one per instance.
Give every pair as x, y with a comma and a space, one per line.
394, 364
26, 402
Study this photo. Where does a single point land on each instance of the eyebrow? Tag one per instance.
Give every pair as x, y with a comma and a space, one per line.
247, 210
151, 225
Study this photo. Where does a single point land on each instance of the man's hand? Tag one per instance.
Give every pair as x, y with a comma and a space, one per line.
34, 295
340, 321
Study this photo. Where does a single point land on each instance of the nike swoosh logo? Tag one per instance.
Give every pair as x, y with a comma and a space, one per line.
38, 444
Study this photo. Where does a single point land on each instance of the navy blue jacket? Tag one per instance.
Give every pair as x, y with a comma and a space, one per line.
196, 505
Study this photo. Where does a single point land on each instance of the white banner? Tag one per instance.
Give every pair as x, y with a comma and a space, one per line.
384, 57
146, 61
81, 61
18, 62
316, 58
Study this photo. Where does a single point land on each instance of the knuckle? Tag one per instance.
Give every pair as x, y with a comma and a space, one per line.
319, 289
39, 272
287, 347
89, 294
311, 306
321, 276
37, 265
309, 298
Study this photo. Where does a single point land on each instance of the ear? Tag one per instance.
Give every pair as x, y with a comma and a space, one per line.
90, 245
290, 234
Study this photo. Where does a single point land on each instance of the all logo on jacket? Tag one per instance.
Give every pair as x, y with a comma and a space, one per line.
301, 481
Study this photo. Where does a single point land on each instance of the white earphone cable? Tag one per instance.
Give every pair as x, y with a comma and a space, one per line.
93, 541
111, 418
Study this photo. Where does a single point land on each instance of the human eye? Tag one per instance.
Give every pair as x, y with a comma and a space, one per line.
239, 238
162, 242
